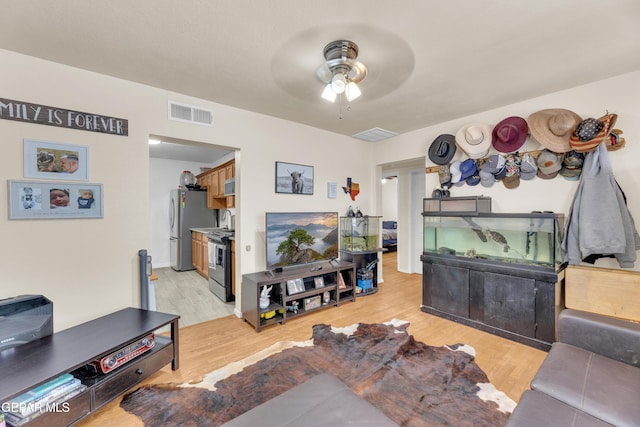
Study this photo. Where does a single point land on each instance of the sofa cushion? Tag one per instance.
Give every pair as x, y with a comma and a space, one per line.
320, 401
597, 385
615, 338
537, 409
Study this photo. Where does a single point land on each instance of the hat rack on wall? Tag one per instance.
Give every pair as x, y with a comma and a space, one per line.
533, 153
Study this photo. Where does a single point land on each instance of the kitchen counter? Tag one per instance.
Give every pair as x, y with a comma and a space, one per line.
204, 230
207, 230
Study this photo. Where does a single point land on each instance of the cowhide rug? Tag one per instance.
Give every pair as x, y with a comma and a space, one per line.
412, 383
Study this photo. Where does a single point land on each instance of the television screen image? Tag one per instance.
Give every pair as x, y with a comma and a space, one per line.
300, 237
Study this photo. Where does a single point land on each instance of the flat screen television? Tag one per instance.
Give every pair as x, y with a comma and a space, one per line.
295, 238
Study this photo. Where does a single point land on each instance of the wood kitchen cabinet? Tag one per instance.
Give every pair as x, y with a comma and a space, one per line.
196, 256
213, 179
200, 253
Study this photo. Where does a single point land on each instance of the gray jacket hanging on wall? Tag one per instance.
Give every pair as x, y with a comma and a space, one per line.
599, 221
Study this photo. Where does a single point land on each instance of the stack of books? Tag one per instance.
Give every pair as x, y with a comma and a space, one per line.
51, 396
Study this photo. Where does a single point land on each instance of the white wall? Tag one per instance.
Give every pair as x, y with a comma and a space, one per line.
618, 95
390, 200
89, 267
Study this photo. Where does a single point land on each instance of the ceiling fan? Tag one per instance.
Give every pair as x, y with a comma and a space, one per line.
341, 72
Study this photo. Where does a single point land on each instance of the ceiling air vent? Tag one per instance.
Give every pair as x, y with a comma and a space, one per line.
375, 134
190, 114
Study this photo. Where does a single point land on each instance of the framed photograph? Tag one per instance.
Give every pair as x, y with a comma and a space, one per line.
54, 200
318, 282
295, 286
294, 179
50, 160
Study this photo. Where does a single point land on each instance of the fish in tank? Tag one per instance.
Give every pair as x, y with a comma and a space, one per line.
532, 239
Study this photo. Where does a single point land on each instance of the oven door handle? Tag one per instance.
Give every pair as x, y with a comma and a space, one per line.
222, 260
213, 252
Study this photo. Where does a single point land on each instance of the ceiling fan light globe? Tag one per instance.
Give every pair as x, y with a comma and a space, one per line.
328, 93
338, 83
352, 91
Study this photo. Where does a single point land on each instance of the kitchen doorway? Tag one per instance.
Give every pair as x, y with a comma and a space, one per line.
179, 292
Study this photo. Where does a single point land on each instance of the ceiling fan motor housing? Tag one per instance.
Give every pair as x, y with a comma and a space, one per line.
341, 58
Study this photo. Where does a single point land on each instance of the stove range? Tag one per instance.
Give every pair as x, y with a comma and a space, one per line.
220, 263
221, 234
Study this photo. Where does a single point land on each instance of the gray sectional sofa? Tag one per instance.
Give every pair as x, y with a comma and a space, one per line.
591, 376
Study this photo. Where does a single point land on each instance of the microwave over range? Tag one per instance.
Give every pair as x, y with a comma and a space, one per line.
230, 187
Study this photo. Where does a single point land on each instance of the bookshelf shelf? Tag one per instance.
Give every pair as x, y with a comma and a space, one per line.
288, 305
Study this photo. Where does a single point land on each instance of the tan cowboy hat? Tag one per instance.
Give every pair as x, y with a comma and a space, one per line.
553, 127
474, 139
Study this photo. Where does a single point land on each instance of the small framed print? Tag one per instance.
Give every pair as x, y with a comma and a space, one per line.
293, 178
295, 286
54, 200
326, 298
318, 282
50, 160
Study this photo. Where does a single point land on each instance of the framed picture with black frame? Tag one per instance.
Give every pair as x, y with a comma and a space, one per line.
293, 178
295, 286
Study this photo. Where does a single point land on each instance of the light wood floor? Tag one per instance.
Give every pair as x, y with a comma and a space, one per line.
187, 293
204, 347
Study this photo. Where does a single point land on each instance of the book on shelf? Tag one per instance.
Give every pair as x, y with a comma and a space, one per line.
57, 405
37, 405
39, 391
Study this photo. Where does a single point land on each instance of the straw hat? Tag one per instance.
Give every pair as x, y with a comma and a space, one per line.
553, 127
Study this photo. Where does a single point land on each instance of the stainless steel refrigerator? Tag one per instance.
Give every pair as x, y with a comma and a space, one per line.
187, 209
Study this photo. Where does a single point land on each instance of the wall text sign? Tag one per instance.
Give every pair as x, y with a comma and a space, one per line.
60, 117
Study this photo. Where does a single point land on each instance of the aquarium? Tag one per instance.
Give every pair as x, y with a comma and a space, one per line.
527, 238
360, 234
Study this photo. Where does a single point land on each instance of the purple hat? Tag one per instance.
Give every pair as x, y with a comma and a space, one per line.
510, 134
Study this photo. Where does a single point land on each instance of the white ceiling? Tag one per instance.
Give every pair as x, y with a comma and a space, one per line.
428, 61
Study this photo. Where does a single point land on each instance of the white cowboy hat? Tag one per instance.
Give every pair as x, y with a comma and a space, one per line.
474, 139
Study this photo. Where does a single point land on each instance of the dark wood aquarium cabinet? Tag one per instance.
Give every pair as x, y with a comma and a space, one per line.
501, 273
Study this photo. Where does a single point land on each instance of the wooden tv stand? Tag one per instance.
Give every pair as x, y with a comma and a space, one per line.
328, 276
26, 366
